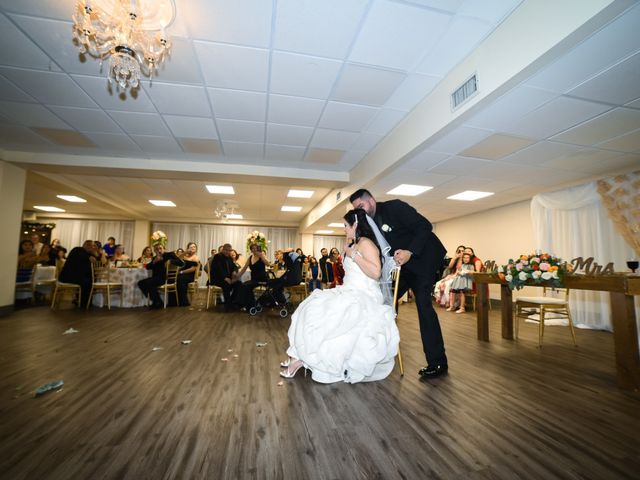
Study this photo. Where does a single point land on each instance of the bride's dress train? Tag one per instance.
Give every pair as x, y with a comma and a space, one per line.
345, 333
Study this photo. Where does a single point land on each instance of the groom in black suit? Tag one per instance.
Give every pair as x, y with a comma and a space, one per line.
417, 249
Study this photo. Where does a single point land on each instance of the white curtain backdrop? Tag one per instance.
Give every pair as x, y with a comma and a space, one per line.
328, 242
73, 233
574, 223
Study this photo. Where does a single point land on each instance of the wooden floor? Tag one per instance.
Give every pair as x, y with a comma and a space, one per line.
506, 410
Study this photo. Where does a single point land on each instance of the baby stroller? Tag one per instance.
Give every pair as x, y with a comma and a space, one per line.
274, 295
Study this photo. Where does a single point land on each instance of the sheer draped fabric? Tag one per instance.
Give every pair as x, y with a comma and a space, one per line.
572, 223
72, 233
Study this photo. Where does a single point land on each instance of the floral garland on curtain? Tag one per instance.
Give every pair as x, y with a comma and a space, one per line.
621, 197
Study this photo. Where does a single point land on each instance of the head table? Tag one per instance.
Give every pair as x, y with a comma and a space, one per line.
131, 294
621, 287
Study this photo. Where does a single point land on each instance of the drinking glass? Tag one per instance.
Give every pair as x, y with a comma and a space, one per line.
633, 265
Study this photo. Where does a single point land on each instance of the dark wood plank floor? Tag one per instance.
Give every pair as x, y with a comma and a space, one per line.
506, 410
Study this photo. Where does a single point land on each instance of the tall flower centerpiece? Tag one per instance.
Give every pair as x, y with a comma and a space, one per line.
538, 268
159, 238
258, 238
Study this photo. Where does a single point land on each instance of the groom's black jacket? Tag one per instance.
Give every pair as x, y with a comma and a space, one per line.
405, 229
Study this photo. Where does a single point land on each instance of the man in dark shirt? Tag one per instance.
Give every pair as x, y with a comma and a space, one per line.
222, 269
77, 269
149, 286
325, 275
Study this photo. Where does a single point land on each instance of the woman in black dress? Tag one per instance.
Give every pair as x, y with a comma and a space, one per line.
187, 273
257, 264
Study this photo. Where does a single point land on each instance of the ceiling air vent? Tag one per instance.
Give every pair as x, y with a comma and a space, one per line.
466, 91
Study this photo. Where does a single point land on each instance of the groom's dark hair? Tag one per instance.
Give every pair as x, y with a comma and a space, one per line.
363, 229
363, 192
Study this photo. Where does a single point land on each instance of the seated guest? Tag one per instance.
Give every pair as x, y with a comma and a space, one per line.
146, 257
257, 263
208, 262
47, 256
186, 275
149, 286
119, 255
77, 269
314, 274
27, 257
477, 263
110, 247
222, 271
442, 286
335, 262
292, 275
179, 252
235, 257
37, 244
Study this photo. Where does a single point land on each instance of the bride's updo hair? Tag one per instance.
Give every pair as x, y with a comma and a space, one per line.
363, 229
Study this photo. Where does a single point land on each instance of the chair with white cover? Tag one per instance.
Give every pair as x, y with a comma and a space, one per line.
44, 278
170, 282
395, 278
554, 301
103, 282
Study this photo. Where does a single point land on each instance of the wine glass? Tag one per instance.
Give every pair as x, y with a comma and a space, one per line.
633, 265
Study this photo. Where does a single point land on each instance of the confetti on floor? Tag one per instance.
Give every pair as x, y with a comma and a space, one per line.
155, 349
225, 359
280, 383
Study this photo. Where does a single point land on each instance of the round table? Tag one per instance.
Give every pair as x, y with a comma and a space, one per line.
131, 294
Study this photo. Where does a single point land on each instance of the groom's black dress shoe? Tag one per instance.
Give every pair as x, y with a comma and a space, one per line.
433, 371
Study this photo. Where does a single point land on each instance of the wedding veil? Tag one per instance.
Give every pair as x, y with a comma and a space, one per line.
388, 263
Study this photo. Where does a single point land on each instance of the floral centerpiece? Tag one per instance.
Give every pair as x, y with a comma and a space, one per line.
539, 268
258, 238
159, 238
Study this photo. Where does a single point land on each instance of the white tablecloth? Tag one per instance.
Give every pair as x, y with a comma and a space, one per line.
132, 295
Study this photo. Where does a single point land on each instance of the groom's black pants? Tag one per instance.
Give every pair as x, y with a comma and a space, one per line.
432, 341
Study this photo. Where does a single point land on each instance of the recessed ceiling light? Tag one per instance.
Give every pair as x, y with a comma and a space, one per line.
300, 193
226, 189
336, 225
46, 208
233, 216
324, 232
162, 203
286, 208
469, 195
409, 190
72, 198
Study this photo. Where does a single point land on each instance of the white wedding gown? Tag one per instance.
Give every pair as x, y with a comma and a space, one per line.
345, 333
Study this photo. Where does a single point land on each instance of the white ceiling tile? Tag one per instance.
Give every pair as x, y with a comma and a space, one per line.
489, 10
366, 142
424, 160
288, 135
240, 131
191, 127
8, 91
540, 152
555, 116
345, 116
303, 76
459, 139
333, 139
31, 115
602, 128
620, 84
87, 119
294, 110
302, 26
137, 123
238, 105
19, 50
634, 104
178, 99
242, 149
366, 85
284, 153
395, 35
113, 142
108, 98
385, 121
460, 38
582, 160
49, 87
414, 88
613, 164
232, 66
625, 143
447, 5
181, 65
510, 107
59, 9
17, 135
245, 22
157, 145
614, 42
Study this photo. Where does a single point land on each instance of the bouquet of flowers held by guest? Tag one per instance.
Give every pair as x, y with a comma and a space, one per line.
539, 268
258, 238
159, 238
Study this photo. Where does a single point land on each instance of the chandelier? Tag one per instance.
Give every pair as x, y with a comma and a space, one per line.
130, 32
224, 208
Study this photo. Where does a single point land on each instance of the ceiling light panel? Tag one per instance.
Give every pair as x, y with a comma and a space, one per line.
46, 208
224, 189
409, 190
336, 225
300, 193
72, 198
162, 203
288, 208
469, 195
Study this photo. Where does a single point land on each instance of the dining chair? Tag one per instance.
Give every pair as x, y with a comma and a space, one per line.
24, 283
395, 278
44, 276
552, 301
102, 282
61, 289
170, 283
211, 288
192, 287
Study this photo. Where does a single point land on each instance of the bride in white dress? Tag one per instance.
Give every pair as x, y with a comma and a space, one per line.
347, 333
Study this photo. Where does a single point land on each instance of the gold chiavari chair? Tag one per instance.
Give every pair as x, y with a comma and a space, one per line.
395, 278
102, 282
170, 283
548, 303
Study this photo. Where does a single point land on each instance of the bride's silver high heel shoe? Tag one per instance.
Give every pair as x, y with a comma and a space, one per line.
286, 363
293, 368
